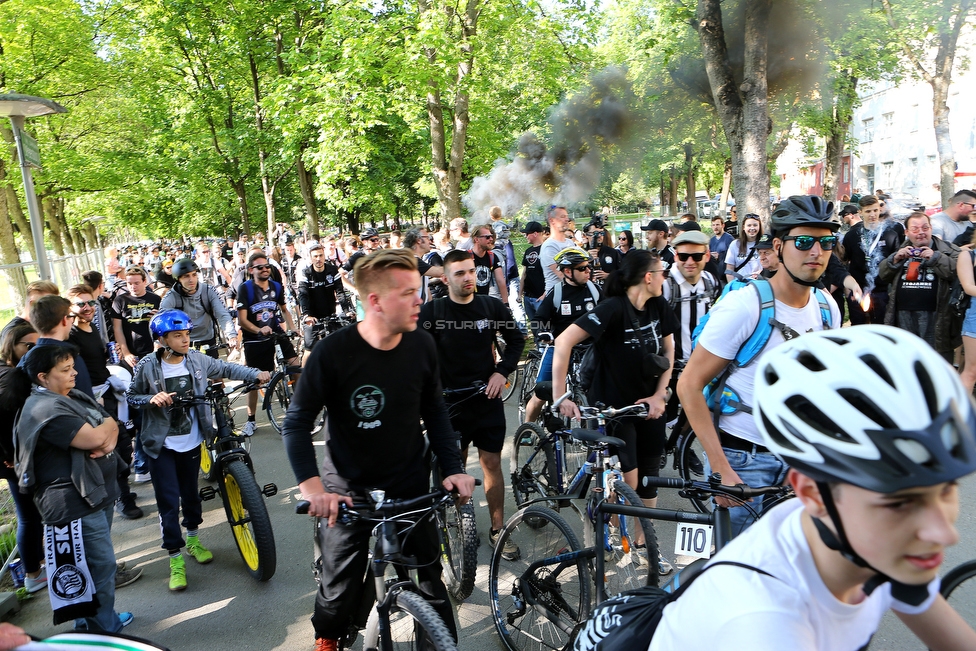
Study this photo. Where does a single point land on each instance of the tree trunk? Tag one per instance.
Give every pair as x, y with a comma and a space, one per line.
306, 187
267, 187
241, 191
672, 194
743, 111
49, 217
726, 187
943, 143
690, 179
9, 254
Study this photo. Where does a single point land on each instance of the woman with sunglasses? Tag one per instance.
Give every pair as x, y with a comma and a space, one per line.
17, 340
742, 259
625, 243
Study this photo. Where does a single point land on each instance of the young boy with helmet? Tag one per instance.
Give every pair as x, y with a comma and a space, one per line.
171, 436
754, 319
877, 429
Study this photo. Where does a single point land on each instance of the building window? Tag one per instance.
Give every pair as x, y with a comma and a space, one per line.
913, 172
886, 169
887, 124
847, 172
867, 126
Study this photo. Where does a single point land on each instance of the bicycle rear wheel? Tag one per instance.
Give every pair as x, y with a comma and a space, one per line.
278, 397
511, 384
539, 608
626, 566
959, 589
459, 553
249, 521
414, 626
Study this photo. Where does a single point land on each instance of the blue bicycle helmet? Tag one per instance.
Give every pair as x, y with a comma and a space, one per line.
169, 321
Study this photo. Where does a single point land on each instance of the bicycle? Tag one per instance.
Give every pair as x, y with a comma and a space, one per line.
278, 393
400, 617
512, 381
322, 328
456, 523
530, 608
960, 591
233, 471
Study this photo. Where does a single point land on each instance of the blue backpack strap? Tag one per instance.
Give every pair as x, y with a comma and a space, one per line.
754, 346
825, 315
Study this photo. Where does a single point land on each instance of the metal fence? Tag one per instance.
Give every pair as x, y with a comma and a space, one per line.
65, 272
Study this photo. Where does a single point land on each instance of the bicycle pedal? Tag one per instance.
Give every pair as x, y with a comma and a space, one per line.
270, 490
207, 493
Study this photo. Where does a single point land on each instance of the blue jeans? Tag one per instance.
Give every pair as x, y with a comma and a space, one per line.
754, 469
96, 532
531, 306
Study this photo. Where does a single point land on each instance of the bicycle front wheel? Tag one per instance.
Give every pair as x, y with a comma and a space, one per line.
960, 590
690, 457
206, 463
277, 398
538, 608
414, 626
533, 466
511, 384
460, 548
627, 566
249, 521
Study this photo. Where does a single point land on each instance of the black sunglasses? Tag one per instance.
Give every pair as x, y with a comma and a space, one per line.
805, 242
694, 256
82, 304
261, 267
585, 267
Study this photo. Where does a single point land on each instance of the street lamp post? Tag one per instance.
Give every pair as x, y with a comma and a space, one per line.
18, 108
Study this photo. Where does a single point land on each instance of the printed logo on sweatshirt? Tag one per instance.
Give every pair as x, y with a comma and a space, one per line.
367, 402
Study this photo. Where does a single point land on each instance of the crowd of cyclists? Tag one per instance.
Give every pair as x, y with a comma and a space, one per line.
736, 324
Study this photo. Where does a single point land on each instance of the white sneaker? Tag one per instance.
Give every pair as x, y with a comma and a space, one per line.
248, 429
141, 477
664, 567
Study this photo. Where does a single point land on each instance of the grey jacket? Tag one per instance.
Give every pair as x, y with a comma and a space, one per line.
148, 381
199, 307
943, 265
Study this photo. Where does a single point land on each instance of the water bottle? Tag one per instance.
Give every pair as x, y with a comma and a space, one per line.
113, 353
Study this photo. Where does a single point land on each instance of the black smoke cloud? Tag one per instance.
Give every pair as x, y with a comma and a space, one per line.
589, 125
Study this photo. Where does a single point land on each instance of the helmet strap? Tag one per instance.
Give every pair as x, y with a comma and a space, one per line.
914, 595
805, 283
170, 351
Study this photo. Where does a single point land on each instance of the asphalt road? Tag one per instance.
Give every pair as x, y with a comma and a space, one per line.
224, 609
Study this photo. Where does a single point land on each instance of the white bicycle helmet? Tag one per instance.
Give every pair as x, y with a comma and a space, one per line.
873, 406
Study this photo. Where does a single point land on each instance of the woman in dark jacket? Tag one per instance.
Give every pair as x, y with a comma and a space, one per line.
14, 389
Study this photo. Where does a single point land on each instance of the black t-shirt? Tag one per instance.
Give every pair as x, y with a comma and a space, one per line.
317, 290
535, 279
484, 269
375, 400
856, 243
618, 380
607, 259
135, 314
92, 350
263, 307
918, 289
465, 336
575, 301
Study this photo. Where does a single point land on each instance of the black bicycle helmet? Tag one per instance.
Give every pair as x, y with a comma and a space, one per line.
571, 257
184, 266
803, 210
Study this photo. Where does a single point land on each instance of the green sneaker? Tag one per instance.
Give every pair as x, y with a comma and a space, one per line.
198, 551
177, 573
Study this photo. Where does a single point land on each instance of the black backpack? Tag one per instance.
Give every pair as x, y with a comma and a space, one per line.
627, 622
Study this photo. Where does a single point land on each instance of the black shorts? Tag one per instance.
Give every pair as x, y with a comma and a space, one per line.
480, 421
645, 442
261, 354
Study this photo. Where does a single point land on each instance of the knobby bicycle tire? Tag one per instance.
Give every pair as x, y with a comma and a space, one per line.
244, 504
536, 478
414, 625
690, 458
278, 397
561, 588
460, 551
959, 590
511, 384
629, 568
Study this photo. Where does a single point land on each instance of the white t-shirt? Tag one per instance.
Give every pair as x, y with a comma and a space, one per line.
731, 608
547, 256
184, 429
734, 258
732, 321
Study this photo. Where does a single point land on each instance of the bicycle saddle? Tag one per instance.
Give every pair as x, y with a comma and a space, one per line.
543, 391
593, 436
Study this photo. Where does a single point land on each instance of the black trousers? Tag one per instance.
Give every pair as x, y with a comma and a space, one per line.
344, 549
174, 480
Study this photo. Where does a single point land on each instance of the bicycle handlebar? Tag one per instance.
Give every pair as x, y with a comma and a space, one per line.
387, 508
190, 400
740, 491
602, 412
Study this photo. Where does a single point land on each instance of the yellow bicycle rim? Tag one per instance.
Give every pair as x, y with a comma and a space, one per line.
242, 533
206, 463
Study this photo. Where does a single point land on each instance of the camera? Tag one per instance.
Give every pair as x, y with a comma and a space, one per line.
915, 253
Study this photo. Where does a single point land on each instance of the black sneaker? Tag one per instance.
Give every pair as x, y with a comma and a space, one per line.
127, 509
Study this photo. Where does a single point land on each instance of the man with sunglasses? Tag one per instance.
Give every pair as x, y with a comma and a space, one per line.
803, 238
490, 276
689, 290
260, 310
951, 222
919, 278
